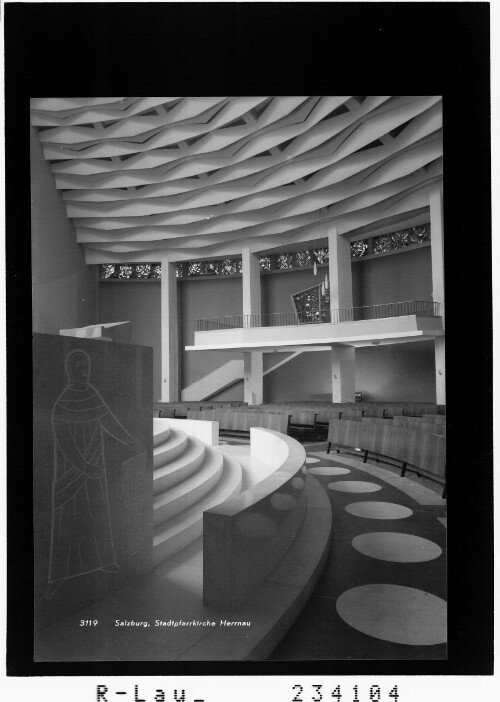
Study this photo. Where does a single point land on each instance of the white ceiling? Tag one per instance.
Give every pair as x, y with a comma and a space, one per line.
195, 177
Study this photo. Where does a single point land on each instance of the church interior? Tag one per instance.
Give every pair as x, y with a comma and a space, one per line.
240, 379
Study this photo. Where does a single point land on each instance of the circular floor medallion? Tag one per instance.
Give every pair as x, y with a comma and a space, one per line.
395, 547
395, 613
354, 486
329, 470
378, 510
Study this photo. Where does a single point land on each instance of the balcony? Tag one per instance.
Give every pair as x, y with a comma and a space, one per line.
313, 328
420, 308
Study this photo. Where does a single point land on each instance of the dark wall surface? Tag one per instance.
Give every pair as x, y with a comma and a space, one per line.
138, 303
64, 288
92, 472
402, 276
393, 373
200, 299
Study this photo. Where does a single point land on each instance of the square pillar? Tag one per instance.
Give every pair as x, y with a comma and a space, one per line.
251, 285
253, 361
169, 333
439, 356
437, 246
339, 273
253, 369
343, 373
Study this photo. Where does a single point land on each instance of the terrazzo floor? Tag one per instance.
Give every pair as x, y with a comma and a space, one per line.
382, 594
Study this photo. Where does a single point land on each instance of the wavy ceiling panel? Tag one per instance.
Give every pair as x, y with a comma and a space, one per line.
201, 175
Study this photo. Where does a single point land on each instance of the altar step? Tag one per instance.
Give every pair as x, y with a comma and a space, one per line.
167, 449
170, 471
179, 531
188, 478
182, 495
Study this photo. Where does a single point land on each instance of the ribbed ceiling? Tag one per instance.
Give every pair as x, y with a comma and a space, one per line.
198, 176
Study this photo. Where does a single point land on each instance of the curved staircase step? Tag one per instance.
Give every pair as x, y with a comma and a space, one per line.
169, 474
181, 496
178, 532
168, 450
161, 431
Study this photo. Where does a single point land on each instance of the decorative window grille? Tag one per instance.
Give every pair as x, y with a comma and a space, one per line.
303, 259
321, 255
265, 263
401, 239
195, 268
229, 267
108, 270
142, 270
359, 248
125, 271
284, 261
384, 243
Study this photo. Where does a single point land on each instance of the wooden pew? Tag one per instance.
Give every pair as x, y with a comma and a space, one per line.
241, 422
424, 451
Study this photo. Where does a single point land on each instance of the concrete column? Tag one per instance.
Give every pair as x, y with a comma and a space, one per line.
339, 271
439, 352
437, 246
253, 368
251, 283
343, 373
253, 361
169, 333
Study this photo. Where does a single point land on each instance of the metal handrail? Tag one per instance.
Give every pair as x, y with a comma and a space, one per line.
421, 308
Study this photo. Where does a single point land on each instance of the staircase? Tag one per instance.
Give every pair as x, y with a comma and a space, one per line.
215, 381
189, 477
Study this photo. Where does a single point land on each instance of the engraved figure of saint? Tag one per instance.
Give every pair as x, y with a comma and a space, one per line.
82, 537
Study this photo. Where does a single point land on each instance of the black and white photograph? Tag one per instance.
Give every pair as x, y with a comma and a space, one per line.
282, 256
247, 423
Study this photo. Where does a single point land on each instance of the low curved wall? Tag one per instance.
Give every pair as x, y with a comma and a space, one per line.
246, 537
418, 448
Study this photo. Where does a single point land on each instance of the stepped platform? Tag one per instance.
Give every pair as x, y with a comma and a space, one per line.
163, 615
173, 594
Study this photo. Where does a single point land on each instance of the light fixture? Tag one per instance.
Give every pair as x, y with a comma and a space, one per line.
326, 282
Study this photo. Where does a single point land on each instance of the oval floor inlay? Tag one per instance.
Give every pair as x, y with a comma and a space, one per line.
395, 613
329, 470
396, 547
312, 460
378, 510
354, 486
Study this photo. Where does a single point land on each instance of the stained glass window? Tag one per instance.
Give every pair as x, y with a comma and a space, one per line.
401, 239
125, 271
142, 270
299, 259
321, 255
303, 258
229, 267
108, 270
359, 248
312, 306
194, 268
211, 268
284, 261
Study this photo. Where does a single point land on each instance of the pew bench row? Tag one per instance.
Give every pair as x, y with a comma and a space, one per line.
416, 450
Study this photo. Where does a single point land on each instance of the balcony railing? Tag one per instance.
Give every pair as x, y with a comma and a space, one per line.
420, 308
